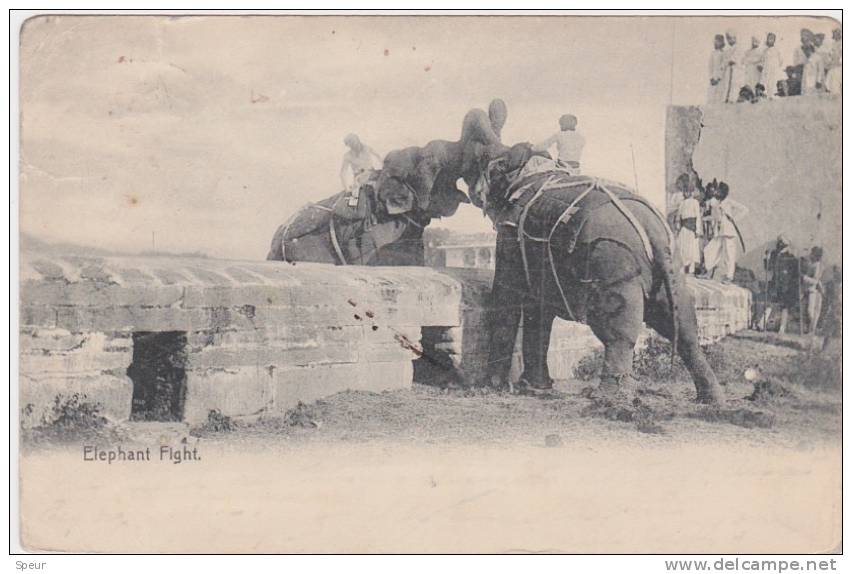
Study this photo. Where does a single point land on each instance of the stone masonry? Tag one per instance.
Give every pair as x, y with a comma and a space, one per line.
253, 338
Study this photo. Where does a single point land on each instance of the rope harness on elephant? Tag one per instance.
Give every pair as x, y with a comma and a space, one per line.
333, 235
556, 181
293, 218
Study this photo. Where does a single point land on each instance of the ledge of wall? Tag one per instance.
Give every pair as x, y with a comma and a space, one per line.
262, 337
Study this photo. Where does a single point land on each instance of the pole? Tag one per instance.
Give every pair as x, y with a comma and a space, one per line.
635, 177
766, 259
671, 69
799, 294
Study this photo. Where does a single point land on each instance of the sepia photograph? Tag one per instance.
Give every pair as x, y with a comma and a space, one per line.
428, 283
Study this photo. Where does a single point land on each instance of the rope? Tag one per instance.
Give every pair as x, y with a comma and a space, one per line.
522, 219
333, 235
563, 218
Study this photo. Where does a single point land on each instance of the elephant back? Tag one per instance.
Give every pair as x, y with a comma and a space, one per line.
572, 214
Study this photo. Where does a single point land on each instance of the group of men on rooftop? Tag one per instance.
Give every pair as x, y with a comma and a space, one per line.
737, 75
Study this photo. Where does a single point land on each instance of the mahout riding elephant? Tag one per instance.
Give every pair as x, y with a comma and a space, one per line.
587, 250
414, 186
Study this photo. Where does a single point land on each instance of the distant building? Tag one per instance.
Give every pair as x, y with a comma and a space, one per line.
473, 255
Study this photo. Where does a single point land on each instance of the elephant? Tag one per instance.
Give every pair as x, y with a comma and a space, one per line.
587, 250
330, 231
414, 186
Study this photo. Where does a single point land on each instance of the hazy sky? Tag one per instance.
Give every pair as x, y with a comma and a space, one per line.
208, 132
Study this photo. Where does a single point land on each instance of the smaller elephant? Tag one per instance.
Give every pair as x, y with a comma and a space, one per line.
330, 231
586, 250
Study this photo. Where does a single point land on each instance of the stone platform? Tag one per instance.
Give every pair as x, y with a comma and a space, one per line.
171, 339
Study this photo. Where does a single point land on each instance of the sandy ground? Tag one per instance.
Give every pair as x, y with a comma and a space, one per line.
429, 470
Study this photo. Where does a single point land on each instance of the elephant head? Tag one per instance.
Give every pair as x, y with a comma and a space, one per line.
490, 190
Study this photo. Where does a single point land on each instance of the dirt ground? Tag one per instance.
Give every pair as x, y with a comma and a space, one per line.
452, 470
795, 399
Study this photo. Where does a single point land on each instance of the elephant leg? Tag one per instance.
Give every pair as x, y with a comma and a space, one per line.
615, 317
659, 318
538, 323
508, 294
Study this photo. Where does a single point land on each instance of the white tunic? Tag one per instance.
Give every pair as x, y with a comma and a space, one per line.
687, 240
569, 145
772, 70
834, 75
733, 78
751, 61
716, 70
809, 69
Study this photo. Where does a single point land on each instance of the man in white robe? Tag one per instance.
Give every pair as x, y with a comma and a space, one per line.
733, 78
688, 224
359, 162
803, 56
753, 63
722, 250
716, 71
773, 71
834, 75
821, 56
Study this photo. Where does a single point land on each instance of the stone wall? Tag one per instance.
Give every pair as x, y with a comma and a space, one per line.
782, 160
721, 310
259, 337
175, 338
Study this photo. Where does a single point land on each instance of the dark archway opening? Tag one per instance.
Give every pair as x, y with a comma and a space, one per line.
435, 366
158, 372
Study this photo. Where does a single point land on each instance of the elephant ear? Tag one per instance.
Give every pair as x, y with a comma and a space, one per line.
397, 196
425, 175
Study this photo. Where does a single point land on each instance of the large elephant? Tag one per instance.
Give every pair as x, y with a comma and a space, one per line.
586, 250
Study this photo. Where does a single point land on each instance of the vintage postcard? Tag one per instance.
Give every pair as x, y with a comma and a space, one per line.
429, 283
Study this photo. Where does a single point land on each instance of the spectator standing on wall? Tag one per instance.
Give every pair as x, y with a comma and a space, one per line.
772, 70
834, 75
733, 78
717, 70
820, 58
753, 64
804, 64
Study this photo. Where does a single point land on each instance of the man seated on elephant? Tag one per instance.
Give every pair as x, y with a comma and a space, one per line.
568, 141
359, 163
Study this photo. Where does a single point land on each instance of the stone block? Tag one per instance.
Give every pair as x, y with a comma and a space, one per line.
112, 393
305, 353
237, 391
95, 353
